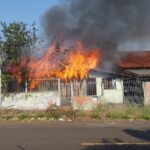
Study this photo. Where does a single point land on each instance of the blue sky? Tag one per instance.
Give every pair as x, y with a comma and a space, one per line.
27, 11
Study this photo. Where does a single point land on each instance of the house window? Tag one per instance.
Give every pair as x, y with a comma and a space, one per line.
91, 86
109, 84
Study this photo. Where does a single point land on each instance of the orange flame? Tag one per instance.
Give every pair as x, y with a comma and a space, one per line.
75, 65
40, 68
15, 70
79, 63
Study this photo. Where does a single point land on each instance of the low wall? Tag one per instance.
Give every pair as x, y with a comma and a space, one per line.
31, 100
114, 95
85, 102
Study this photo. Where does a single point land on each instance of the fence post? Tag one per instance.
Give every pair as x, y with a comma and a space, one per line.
26, 86
72, 94
59, 91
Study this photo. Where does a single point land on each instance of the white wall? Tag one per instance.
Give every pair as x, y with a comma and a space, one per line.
113, 95
31, 100
41, 100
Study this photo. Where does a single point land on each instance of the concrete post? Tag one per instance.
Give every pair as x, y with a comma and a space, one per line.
72, 94
122, 89
99, 89
26, 86
146, 89
98, 86
84, 88
58, 103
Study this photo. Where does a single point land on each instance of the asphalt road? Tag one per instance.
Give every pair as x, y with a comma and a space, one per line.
75, 136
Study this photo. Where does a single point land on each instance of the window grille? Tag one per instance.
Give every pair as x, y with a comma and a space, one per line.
91, 86
109, 84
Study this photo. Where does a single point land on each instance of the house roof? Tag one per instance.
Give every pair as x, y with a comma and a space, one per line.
129, 63
134, 59
106, 74
140, 72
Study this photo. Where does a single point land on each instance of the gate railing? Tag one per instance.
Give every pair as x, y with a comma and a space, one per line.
133, 90
66, 89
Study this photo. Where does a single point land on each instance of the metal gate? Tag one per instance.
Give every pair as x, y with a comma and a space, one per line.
65, 93
133, 90
68, 90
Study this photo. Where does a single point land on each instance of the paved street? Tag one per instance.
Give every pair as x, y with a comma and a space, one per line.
74, 136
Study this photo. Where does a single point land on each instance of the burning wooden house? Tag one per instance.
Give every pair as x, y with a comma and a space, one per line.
77, 79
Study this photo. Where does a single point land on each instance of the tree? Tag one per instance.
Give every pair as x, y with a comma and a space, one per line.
0, 67
17, 41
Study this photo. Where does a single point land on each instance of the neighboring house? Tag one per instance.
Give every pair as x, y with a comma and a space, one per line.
136, 88
137, 62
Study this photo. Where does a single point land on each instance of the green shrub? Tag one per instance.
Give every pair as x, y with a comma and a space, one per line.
23, 116
145, 113
117, 115
95, 115
7, 117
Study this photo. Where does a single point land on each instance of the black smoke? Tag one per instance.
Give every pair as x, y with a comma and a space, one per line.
103, 23
98, 23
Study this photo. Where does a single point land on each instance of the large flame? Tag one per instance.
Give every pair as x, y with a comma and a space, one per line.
16, 70
79, 63
55, 63
40, 68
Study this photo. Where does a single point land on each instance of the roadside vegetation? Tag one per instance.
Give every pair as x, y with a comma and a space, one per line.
107, 112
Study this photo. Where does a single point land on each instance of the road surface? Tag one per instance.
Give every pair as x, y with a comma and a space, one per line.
75, 136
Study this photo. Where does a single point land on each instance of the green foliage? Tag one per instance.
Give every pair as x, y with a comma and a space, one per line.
96, 115
145, 113
15, 43
118, 115
23, 116
17, 40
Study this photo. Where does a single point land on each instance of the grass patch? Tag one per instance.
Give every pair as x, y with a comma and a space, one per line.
145, 113
96, 116
112, 112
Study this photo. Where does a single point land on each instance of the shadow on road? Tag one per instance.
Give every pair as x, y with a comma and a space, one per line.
20, 147
140, 134
118, 147
111, 144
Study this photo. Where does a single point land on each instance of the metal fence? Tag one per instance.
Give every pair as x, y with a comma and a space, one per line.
43, 85
74, 87
133, 90
12, 86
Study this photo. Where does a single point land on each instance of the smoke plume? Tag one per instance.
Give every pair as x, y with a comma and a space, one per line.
102, 23
108, 24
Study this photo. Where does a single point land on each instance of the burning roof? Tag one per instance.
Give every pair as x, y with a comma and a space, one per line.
75, 64
134, 59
